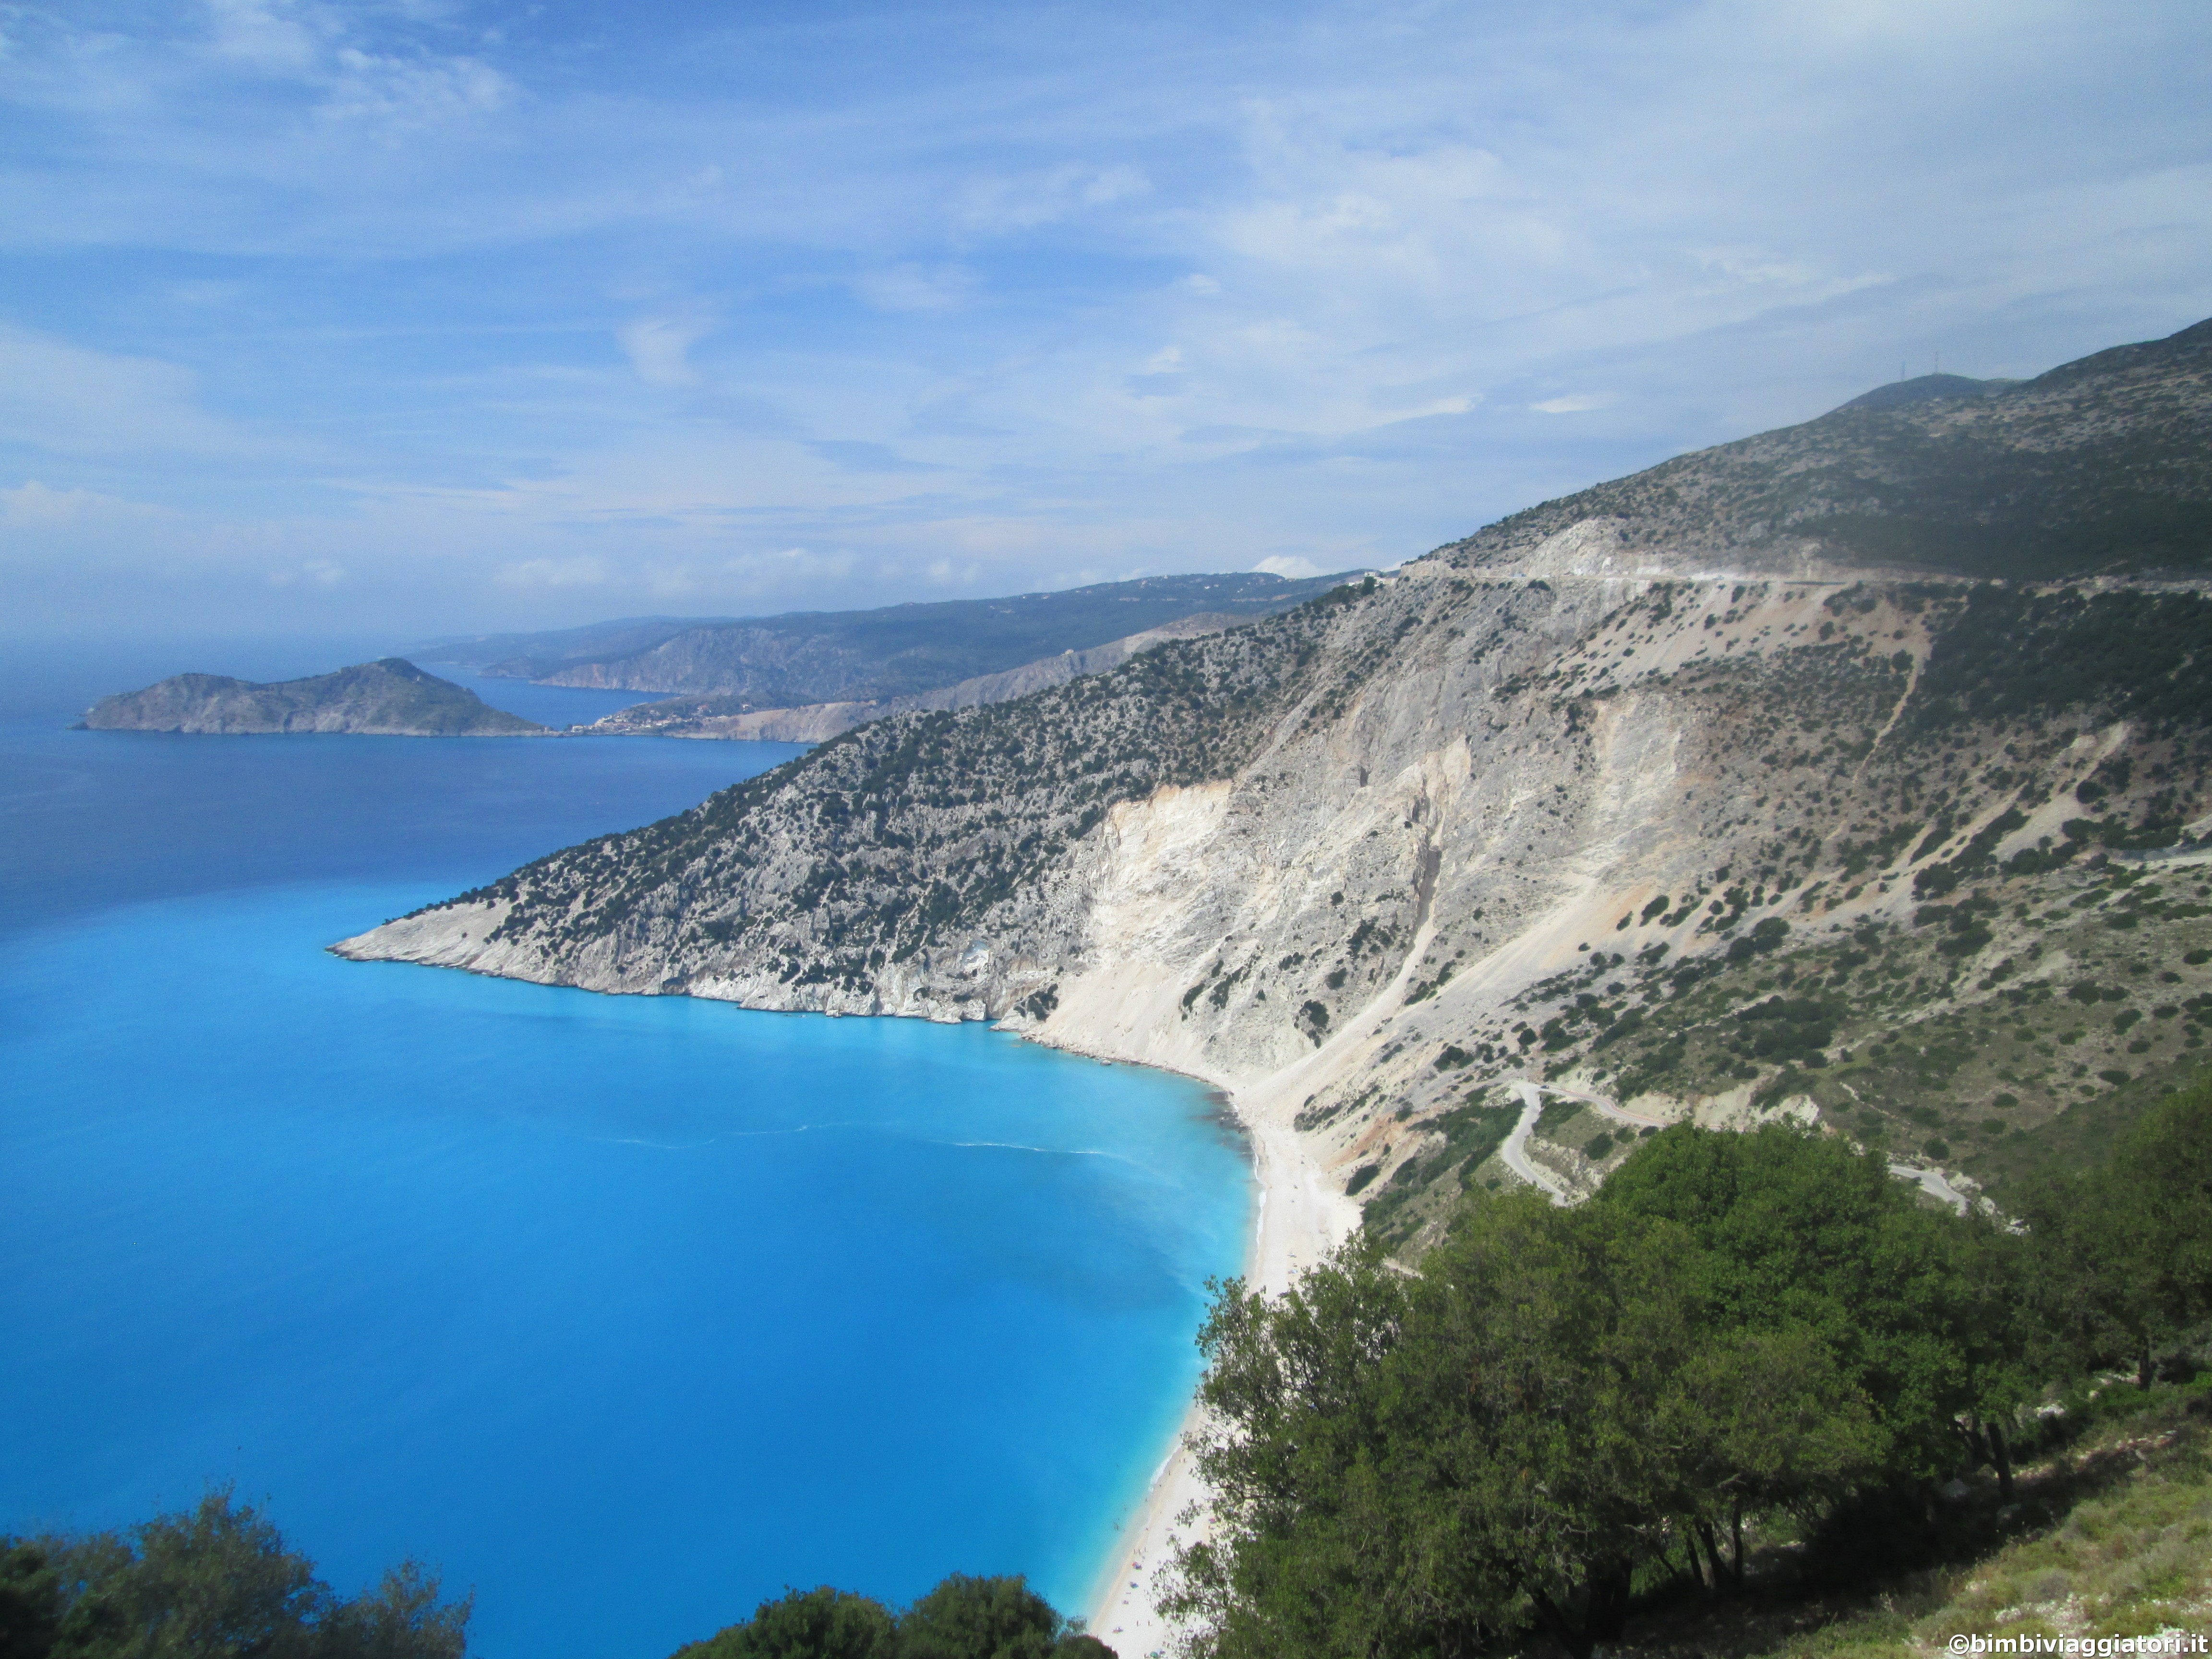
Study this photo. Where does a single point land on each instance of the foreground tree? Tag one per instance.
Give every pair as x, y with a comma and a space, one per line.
2122, 1250
1918, 1310
216, 1582
965, 1617
1560, 1400
822, 1623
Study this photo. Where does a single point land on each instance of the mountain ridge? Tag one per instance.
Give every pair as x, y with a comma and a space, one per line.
806, 657
2101, 466
731, 717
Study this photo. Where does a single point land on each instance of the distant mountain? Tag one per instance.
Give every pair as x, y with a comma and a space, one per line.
730, 717
390, 697
533, 656
1923, 388
858, 656
2100, 467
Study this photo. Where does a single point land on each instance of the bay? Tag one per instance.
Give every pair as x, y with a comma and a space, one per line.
626, 1312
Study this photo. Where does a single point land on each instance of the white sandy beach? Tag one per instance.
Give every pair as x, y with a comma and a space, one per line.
1301, 1214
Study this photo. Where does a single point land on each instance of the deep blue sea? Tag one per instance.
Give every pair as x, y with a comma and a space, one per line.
626, 1312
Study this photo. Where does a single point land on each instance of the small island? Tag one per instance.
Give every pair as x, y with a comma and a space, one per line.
389, 698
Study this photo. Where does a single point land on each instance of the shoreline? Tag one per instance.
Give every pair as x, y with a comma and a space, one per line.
1299, 1215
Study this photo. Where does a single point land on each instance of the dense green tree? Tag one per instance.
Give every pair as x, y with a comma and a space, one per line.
1798, 1230
403, 1617
822, 1623
1417, 1465
215, 1582
967, 1617
2122, 1249
30, 1602
1561, 1399
964, 1617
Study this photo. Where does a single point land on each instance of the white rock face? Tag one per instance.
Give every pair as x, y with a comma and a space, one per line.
1482, 776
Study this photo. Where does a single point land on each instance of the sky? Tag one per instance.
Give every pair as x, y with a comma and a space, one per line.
434, 316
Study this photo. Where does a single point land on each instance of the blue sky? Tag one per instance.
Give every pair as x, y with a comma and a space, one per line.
436, 315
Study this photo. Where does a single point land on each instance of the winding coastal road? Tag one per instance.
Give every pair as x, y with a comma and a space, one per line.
1516, 1151
1514, 1154
1931, 1181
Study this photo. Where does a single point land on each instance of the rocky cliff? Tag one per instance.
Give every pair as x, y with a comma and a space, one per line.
1654, 797
390, 697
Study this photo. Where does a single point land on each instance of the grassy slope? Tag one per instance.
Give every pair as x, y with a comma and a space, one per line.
2110, 1536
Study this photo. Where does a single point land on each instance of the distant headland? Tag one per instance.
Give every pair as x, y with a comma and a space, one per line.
390, 697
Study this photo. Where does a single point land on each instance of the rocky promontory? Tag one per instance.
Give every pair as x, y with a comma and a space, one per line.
389, 698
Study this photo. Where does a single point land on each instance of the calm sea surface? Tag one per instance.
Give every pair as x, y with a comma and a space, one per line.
626, 1311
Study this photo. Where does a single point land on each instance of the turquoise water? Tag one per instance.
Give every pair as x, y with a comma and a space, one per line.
626, 1311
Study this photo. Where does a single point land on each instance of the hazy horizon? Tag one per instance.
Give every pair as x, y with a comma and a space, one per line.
441, 316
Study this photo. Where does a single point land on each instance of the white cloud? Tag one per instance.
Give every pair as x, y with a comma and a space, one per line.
318, 573
31, 503
403, 96
916, 288
65, 399
658, 347
268, 36
1024, 202
579, 571
1288, 567
1028, 295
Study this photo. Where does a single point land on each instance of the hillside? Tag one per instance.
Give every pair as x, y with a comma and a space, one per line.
2100, 466
1466, 876
847, 656
732, 717
525, 656
390, 697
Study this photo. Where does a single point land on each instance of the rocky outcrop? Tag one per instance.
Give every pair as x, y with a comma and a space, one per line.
390, 697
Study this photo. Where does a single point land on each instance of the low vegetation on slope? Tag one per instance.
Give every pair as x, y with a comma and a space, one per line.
2107, 1536
1564, 1416
1950, 903
910, 832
